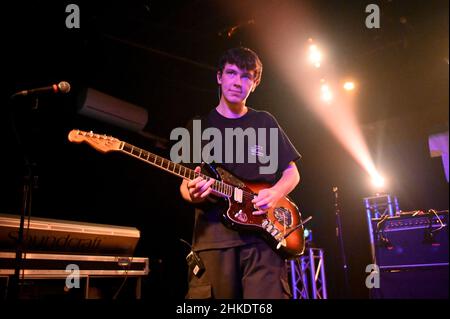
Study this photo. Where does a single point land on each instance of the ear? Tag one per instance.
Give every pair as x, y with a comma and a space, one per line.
219, 77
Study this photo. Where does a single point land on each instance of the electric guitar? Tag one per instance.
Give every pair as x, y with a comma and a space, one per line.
281, 227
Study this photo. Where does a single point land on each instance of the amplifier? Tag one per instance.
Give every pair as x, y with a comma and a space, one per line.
412, 239
411, 250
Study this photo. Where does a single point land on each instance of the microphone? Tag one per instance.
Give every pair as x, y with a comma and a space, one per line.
61, 87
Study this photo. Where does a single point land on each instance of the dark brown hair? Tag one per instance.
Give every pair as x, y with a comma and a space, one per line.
243, 58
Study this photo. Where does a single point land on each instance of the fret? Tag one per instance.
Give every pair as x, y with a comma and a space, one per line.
178, 169
216, 185
127, 147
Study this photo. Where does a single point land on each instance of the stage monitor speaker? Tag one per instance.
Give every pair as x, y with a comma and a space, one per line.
109, 109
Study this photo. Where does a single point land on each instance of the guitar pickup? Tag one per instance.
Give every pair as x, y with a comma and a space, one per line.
238, 195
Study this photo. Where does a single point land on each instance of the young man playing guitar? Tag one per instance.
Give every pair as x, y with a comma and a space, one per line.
240, 264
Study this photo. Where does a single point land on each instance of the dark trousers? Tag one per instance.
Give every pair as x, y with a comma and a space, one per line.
252, 271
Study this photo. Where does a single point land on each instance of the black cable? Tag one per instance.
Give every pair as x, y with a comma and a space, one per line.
124, 279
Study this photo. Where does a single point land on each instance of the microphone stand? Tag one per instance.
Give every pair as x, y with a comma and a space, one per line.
29, 183
341, 241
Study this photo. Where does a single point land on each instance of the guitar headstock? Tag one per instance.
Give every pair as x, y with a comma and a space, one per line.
102, 143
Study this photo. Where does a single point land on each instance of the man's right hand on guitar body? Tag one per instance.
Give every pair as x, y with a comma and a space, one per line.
196, 190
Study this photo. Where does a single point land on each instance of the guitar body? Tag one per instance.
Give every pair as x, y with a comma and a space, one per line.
284, 219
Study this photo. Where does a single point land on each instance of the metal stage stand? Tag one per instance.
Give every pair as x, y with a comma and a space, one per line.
308, 275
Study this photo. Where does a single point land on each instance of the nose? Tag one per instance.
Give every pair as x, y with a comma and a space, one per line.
237, 82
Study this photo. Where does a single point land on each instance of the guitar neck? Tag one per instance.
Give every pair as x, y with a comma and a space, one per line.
219, 188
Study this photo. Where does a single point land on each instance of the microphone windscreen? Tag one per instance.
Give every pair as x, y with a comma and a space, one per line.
64, 87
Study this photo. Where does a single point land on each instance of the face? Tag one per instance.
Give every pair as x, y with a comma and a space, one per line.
236, 83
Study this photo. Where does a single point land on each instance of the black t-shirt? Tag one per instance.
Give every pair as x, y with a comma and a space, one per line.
261, 156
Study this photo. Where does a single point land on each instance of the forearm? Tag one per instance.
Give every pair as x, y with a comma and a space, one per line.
289, 179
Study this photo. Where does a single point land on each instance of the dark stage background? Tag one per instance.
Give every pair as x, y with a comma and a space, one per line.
160, 55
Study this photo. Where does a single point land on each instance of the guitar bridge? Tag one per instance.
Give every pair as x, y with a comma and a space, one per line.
272, 229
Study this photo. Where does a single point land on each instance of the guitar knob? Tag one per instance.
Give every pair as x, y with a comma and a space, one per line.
241, 216
274, 232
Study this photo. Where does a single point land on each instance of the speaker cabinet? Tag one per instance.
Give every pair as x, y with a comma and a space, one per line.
411, 251
417, 283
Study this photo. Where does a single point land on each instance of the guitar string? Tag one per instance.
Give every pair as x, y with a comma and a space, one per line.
154, 158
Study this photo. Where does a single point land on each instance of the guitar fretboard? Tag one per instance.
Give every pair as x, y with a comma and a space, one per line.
219, 187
